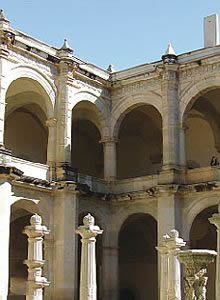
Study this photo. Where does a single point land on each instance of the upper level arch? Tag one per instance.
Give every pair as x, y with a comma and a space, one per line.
87, 129
189, 96
129, 103
96, 104
200, 115
139, 151
34, 81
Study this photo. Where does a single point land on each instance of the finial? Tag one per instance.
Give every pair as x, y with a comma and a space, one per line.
3, 17
170, 50
170, 56
174, 233
36, 220
88, 220
66, 47
110, 69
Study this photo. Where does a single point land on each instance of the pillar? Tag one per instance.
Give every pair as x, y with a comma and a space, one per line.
169, 88
163, 272
88, 231
182, 145
110, 263
65, 272
5, 39
51, 145
36, 282
110, 158
64, 109
169, 210
216, 221
6, 192
173, 244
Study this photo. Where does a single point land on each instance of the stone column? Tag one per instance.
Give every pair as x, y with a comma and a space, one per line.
182, 145
163, 272
216, 221
169, 210
51, 145
88, 232
65, 272
169, 87
110, 158
36, 282
64, 115
5, 40
6, 192
110, 261
173, 244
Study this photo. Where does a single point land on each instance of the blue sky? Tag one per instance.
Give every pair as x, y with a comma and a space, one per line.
124, 33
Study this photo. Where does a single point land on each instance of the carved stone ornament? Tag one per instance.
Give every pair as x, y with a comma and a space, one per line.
195, 263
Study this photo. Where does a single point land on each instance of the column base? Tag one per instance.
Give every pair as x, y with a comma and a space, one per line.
172, 176
65, 172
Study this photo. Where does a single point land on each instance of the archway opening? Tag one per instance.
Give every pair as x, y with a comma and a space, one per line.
18, 252
21, 212
203, 236
87, 151
138, 258
139, 151
26, 133
203, 129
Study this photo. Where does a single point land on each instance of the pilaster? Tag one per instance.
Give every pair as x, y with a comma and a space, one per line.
171, 127
64, 84
5, 40
51, 146
110, 261
5, 211
110, 158
65, 241
169, 210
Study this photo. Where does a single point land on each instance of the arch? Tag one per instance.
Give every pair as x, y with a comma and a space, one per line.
203, 235
86, 152
138, 256
101, 107
21, 212
190, 94
128, 103
148, 207
140, 147
196, 207
24, 71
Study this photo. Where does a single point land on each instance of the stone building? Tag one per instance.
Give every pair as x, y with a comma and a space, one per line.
131, 147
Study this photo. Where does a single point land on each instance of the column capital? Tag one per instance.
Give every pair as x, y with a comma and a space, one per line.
215, 219
89, 230
172, 241
109, 139
36, 229
51, 122
162, 249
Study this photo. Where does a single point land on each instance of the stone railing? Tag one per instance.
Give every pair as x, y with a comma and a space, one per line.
205, 174
29, 168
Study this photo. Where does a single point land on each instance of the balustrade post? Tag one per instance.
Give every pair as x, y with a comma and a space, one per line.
88, 231
173, 243
36, 282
